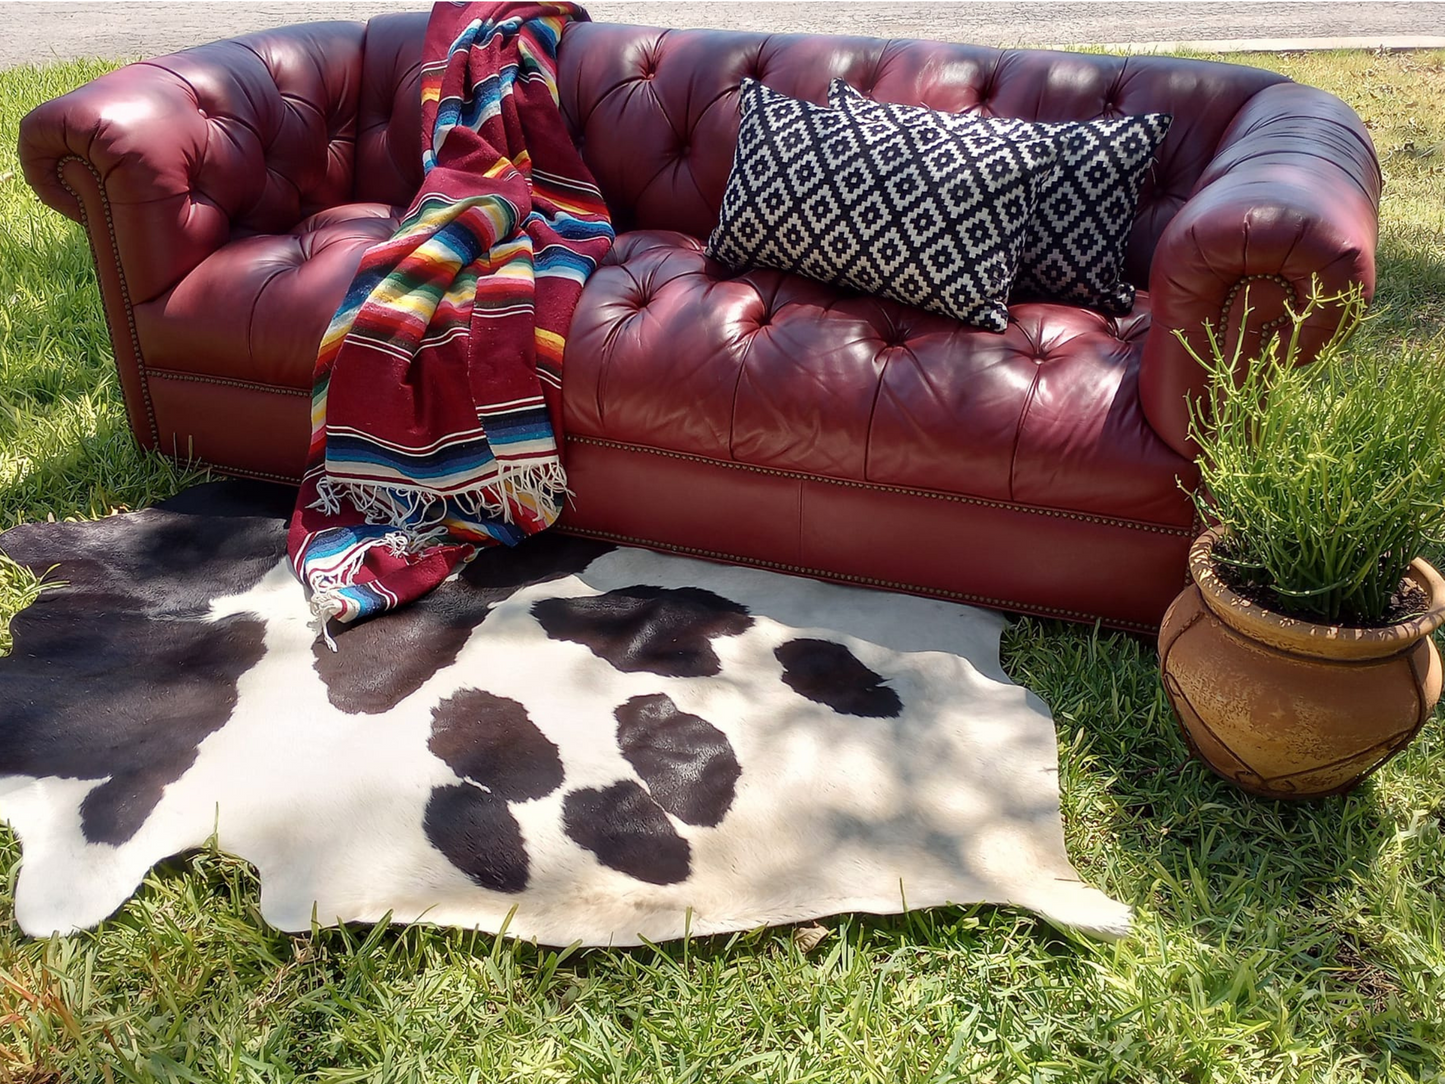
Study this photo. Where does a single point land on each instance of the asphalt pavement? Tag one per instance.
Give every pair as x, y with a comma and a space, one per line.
38, 31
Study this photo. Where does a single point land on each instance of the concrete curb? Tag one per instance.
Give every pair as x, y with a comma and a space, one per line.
42, 31
1390, 44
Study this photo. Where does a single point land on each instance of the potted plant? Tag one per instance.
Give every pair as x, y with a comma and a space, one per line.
1300, 659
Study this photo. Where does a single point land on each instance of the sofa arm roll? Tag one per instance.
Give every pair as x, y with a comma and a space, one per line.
1291, 197
166, 160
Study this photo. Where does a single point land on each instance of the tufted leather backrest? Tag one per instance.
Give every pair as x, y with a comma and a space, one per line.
184, 153
655, 111
273, 123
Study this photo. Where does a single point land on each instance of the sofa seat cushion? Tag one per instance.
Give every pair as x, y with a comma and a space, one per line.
255, 309
671, 350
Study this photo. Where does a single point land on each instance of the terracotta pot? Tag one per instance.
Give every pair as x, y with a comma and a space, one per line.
1289, 709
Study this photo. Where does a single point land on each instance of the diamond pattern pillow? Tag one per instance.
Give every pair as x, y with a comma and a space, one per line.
932, 215
1080, 231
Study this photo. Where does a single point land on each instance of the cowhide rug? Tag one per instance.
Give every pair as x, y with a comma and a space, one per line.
573, 741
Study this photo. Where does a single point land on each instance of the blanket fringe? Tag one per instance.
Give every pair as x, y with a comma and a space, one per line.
420, 512
418, 518
324, 606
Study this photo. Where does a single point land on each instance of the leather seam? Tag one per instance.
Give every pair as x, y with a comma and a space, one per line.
256, 304
1227, 130
871, 581
1052, 513
1013, 454
250, 385
798, 547
140, 365
887, 354
738, 378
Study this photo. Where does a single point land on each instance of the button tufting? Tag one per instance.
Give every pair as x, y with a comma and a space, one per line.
892, 335
1116, 91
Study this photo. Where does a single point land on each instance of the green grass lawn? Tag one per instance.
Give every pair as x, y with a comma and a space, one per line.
1275, 942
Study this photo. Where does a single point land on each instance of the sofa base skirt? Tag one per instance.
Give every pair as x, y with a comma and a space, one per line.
1054, 563
1051, 562
231, 426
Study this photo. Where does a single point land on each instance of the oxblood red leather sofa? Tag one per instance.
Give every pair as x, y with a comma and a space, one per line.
230, 190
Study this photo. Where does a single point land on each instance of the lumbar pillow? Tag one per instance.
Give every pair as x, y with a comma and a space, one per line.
1077, 239
930, 215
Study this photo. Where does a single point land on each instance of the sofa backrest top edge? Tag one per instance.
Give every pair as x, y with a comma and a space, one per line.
654, 110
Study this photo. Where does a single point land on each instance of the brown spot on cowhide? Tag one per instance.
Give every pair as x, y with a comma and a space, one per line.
658, 630
628, 832
828, 673
490, 740
479, 835
686, 762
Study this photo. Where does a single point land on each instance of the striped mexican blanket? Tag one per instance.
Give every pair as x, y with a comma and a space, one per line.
435, 409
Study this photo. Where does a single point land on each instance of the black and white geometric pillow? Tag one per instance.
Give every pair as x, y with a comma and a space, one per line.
1080, 232
932, 215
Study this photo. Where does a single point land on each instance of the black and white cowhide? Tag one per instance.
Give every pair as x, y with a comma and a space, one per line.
575, 741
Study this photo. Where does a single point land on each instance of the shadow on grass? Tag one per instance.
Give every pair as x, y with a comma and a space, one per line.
1142, 796
102, 471
1409, 298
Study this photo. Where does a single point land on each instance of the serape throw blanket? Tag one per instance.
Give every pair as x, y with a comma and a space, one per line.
434, 416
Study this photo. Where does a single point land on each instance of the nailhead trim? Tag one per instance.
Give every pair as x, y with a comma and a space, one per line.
120, 274
870, 581
1243, 283
1083, 517
250, 385
289, 480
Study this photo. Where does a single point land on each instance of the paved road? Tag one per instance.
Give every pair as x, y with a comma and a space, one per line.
36, 31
